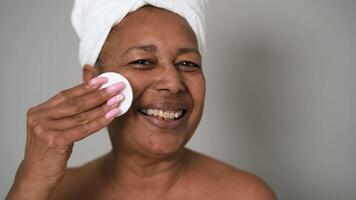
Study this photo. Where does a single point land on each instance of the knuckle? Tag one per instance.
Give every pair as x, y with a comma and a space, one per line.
31, 110
62, 110
76, 104
104, 109
103, 95
84, 129
51, 139
86, 87
31, 120
80, 118
63, 94
34, 115
102, 122
39, 129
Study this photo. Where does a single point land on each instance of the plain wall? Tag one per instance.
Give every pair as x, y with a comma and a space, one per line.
281, 79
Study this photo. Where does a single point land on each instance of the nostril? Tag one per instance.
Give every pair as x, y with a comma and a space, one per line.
170, 80
175, 89
171, 86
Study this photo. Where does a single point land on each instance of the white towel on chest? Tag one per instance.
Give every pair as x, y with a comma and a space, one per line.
93, 20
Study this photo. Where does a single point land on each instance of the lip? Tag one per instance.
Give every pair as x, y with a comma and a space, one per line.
172, 106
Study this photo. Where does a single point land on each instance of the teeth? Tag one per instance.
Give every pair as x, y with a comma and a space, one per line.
155, 112
178, 114
165, 114
149, 112
169, 115
160, 113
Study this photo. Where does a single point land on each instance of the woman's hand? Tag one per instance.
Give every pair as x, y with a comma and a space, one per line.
52, 129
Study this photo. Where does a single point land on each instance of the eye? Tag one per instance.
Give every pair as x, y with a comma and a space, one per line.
188, 66
142, 63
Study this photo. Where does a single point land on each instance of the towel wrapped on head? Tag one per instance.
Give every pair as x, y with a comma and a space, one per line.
93, 20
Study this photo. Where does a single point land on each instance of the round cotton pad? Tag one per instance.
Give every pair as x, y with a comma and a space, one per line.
126, 92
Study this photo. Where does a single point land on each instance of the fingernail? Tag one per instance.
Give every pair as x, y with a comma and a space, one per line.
98, 80
115, 87
112, 113
114, 100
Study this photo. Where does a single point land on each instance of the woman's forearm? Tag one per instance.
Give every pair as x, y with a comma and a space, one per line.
29, 189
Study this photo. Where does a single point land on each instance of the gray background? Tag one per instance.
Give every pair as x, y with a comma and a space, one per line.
281, 99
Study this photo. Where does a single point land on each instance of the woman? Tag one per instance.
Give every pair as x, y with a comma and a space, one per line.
148, 159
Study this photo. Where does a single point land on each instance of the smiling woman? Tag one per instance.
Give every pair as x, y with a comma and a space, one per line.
163, 67
159, 53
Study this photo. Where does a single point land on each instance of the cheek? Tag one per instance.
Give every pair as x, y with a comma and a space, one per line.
139, 80
196, 86
136, 80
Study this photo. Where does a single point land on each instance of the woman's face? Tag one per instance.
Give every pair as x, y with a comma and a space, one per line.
157, 51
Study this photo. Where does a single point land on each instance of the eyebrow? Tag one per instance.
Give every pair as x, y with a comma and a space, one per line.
182, 51
153, 48
149, 48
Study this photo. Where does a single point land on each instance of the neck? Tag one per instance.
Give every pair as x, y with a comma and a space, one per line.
135, 171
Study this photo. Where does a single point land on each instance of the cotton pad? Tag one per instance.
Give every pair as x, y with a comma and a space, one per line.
126, 92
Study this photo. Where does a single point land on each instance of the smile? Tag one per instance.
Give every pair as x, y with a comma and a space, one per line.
163, 114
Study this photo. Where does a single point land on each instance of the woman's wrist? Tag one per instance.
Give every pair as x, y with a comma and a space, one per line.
30, 187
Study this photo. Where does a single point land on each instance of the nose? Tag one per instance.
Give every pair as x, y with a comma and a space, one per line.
170, 80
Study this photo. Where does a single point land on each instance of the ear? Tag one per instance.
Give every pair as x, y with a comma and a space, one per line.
90, 72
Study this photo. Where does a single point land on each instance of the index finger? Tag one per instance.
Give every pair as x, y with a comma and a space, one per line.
76, 91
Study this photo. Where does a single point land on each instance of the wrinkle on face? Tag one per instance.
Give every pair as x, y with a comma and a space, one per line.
165, 39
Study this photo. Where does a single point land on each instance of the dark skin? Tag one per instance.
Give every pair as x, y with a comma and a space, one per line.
148, 160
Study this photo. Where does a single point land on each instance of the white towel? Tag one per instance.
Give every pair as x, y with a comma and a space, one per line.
93, 20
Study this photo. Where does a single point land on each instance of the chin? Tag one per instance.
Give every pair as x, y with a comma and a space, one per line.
159, 145
159, 123
152, 136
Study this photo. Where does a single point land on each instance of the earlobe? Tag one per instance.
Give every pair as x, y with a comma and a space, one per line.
90, 72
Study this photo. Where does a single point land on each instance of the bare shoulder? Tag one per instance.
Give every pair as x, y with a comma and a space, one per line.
244, 185
230, 182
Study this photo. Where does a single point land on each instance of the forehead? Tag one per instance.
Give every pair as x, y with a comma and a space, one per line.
151, 25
